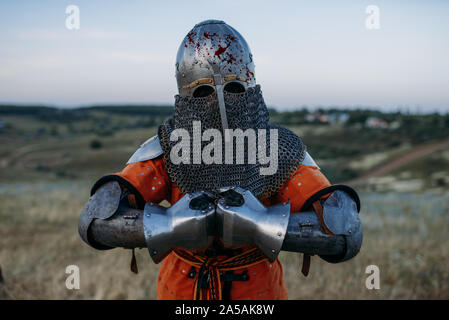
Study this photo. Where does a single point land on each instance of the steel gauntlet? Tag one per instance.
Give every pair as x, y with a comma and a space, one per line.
245, 220
336, 237
189, 224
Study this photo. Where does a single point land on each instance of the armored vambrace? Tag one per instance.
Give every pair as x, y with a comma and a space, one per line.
238, 218
108, 222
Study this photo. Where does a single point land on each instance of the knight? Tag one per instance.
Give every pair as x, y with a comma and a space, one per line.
227, 222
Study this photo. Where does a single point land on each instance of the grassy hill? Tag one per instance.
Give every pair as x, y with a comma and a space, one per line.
53, 143
49, 159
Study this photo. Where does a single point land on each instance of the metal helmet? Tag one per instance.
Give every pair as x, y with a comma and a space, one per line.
214, 57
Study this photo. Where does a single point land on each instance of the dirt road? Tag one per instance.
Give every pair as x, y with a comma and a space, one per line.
400, 161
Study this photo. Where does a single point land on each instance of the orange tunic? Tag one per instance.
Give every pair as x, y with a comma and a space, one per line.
265, 281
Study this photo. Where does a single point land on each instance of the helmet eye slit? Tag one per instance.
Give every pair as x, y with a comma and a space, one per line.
203, 91
234, 87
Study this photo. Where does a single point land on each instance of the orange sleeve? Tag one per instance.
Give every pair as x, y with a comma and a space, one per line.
304, 183
147, 179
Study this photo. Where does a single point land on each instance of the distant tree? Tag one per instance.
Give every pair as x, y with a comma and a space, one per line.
96, 144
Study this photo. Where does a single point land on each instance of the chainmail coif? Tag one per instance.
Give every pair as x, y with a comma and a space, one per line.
243, 110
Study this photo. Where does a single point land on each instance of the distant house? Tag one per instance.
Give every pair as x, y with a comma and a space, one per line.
317, 117
332, 118
376, 123
338, 118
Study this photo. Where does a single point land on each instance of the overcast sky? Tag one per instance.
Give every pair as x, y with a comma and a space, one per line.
315, 53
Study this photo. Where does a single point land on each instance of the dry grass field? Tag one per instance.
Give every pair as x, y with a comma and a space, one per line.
405, 235
45, 182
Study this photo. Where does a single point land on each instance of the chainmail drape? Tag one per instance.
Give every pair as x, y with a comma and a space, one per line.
244, 110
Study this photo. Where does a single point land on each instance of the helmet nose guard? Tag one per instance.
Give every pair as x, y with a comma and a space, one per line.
213, 54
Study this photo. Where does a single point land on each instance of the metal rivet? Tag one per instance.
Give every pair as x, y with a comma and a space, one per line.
272, 250
153, 188
299, 183
183, 271
154, 252
148, 215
